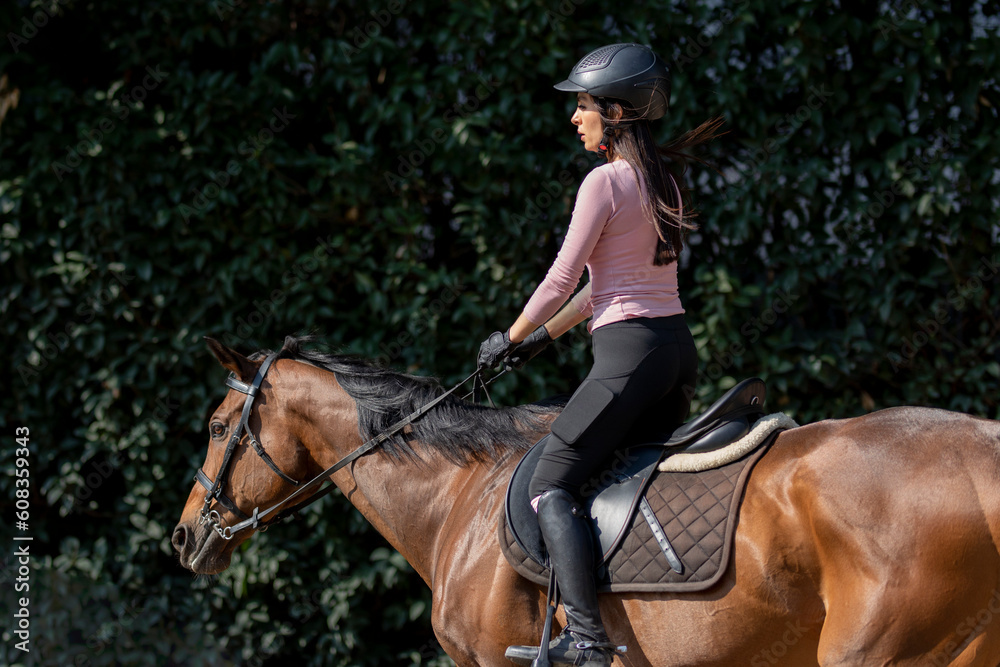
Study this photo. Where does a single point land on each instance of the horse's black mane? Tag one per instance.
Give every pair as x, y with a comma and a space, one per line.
459, 430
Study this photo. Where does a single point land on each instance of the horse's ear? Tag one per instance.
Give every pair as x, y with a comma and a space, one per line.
233, 360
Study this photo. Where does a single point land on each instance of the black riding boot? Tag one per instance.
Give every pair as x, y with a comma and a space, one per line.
571, 554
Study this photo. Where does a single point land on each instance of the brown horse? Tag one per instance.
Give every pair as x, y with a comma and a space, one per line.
866, 541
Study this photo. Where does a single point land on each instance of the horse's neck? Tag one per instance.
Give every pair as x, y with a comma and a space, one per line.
414, 503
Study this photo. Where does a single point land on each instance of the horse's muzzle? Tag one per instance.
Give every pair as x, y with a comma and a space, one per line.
195, 556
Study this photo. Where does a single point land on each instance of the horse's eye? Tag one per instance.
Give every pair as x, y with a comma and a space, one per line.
217, 429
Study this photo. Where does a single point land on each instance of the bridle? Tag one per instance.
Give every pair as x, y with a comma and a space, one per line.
216, 488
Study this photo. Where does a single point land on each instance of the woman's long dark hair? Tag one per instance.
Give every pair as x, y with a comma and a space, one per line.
630, 138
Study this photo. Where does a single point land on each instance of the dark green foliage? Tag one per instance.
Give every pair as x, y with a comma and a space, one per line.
411, 192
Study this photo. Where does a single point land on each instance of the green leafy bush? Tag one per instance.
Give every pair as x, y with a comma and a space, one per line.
397, 176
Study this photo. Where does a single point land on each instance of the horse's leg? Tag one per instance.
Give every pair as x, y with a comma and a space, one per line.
484, 607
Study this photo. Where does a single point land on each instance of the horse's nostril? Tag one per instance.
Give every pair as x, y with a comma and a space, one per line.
179, 538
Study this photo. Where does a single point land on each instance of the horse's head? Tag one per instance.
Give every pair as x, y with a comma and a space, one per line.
254, 460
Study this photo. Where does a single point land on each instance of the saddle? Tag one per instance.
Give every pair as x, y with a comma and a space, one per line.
619, 495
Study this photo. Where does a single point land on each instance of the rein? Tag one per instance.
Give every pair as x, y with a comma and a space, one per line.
215, 488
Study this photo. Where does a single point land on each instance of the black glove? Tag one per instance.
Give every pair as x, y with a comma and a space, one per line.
528, 348
494, 349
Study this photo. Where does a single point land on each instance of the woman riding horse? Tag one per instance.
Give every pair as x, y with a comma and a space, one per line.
627, 228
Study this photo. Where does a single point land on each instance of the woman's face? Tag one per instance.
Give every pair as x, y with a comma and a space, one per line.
588, 122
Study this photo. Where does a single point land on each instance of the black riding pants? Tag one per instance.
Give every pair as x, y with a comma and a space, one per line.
644, 373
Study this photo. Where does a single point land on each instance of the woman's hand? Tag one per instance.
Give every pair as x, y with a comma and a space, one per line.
494, 349
528, 348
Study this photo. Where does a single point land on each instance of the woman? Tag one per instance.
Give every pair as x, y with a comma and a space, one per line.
627, 229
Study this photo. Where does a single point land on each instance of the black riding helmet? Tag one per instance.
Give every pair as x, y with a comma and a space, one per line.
629, 72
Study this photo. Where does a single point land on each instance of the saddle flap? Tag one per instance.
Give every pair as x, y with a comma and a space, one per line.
610, 503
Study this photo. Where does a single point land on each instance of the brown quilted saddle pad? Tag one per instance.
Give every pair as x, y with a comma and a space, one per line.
698, 512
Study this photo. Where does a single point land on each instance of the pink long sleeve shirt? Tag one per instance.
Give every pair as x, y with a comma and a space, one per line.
611, 236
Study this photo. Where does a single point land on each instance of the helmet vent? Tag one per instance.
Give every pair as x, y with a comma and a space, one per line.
599, 58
